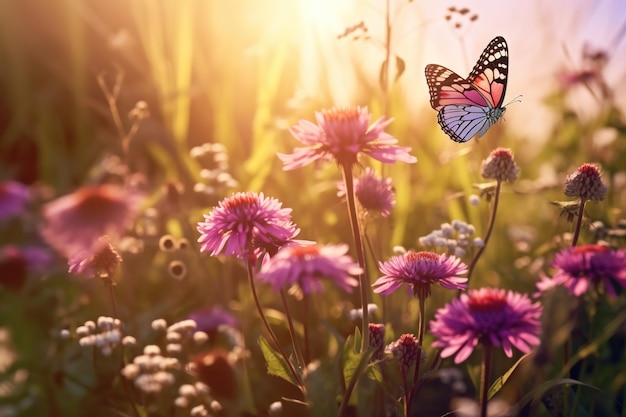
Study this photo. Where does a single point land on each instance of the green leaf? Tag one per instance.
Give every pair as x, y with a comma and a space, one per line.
276, 364
499, 383
351, 358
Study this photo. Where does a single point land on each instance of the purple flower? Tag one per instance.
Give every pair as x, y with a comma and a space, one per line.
208, 319
580, 267
245, 222
16, 262
374, 194
74, 223
14, 197
420, 270
490, 316
307, 266
340, 134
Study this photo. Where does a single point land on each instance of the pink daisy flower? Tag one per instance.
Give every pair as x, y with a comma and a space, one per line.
581, 267
375, 194
14, 198
308, 266
341, 134
75, 222
490, 316
420, 270
245, 222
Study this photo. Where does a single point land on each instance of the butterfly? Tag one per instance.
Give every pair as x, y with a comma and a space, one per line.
470, 106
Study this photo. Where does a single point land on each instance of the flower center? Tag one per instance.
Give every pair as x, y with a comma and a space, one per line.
419, 256
591, 248
304, 251
239, 201
589, 170
487, 301
341, 114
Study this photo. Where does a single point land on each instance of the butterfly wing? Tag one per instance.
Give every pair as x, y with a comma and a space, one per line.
463, 121
470, 106
447, 87
489, 75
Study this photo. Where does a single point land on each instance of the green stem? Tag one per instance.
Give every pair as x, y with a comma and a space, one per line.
492, 221
579, 221
420, 340
484, 379
358, 242
297, 351
269, 328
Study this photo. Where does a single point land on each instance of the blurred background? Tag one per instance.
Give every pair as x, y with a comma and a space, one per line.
239, 73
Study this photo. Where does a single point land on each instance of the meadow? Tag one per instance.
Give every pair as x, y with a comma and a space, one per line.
255, 208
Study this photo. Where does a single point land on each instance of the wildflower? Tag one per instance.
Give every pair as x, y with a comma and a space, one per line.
405, 350
105, 335
500, 166
151, 372
341, 134
585, 183
209, 319
377, 340
357, 313
375, 194
16, 263
101, 264
420, 270
490, 316
75, 222
14, 197
306, 267
456, 238
244, 222
581, 267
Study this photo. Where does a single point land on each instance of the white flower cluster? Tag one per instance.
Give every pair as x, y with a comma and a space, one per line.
151, 372
457, 238
178, 333
198, 394
105, 334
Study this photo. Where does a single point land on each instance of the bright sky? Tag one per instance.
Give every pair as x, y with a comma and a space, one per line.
544, 37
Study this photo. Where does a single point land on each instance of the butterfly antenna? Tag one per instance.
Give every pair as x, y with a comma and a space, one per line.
517, 99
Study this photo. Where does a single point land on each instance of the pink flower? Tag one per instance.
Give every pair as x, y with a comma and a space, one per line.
101, 263
490, 316
405, 350
245, 222
580, 267
500, 165
341, 134
586, 183
14, 197
308, 266
75, 223
420, 270
375, 194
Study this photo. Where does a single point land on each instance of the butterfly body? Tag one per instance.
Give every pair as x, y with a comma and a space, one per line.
470, 106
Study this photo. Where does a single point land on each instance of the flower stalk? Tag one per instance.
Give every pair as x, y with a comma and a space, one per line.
360, 254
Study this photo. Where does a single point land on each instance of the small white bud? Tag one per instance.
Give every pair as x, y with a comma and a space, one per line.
129, 341
200, 337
